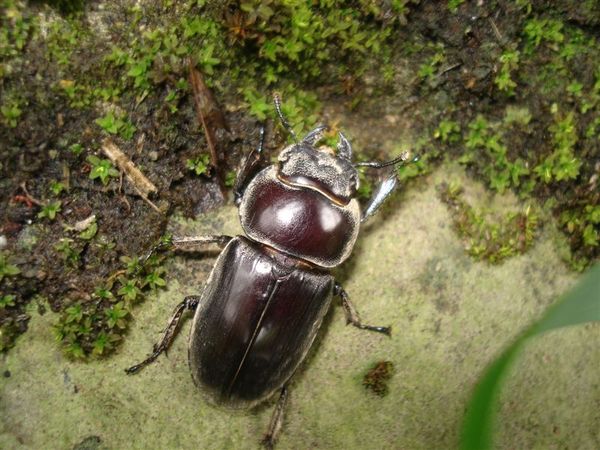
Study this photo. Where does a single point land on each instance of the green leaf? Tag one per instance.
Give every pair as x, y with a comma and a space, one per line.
7, 269
7, 300
580, 305
89, 232
109, 123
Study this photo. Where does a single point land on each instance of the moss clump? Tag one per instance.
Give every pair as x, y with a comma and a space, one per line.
94, 326
377, 377
485, 238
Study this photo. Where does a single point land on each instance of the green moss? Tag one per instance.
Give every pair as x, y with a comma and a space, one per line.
199, 165
50, 210
101, 169
6, 268
94, 326
487, 238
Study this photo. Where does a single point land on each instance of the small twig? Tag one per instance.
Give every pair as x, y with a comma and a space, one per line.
210, 117
116, 274
495, 29
29, 197
142, 184
448, 69
141, 194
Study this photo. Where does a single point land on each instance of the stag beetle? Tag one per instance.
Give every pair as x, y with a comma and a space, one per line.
269, 290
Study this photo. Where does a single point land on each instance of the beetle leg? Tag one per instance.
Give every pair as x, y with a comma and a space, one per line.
352, 314
248, 168
283, 120
315, 135
198, 243
188, 303
384, 190
276, 421
194, 243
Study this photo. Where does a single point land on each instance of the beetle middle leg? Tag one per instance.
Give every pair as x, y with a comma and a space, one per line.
352, 314
276, 420
188, 304
193, 243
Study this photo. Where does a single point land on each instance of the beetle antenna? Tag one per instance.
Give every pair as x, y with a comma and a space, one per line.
403, 158
284, 122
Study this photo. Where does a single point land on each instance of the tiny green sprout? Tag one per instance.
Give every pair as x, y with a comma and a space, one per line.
199, 165
171, 99
447, 131
132, 264
69, 254
102, 169
259, 106
129, 291
104, 293
7, 269
575, 89
504, 82
426, 71
206, 58
11, 112
109, 123
74, 350
230, 178
116, 125
7, 300
544, 170
115, 316
592, 213
478, 132
56, 187
101, 343
154, 280
50, 210
454, 4
74, 314
89, 232
76, 149
590, 235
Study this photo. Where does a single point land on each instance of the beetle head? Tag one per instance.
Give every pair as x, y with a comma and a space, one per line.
321, 169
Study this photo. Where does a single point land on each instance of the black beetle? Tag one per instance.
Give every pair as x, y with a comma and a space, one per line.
268, 292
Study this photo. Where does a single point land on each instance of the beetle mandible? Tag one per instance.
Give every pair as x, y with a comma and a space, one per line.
269, 290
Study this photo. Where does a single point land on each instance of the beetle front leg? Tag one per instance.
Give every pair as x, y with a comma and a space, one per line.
276, 421
352, 314
188, 304
249, 169
384, 190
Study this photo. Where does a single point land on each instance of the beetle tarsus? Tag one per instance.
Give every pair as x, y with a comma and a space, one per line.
276, 423
351, 313
189, 303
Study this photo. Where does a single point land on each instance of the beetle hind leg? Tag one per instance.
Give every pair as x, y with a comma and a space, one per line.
188, 304
276, 421
352, 314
